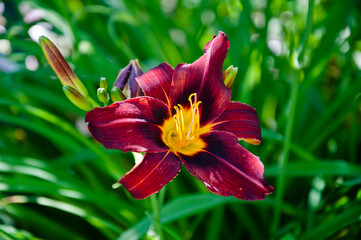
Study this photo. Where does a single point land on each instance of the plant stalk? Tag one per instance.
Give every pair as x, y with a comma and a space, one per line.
157, 206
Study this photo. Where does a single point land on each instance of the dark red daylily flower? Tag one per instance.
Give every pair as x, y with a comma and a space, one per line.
186, 117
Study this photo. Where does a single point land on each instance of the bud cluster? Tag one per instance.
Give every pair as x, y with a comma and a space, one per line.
124, 87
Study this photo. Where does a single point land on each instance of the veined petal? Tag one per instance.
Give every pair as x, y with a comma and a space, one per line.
204, 77
130, 125
227, 169
151, 174
241, 120
156, 82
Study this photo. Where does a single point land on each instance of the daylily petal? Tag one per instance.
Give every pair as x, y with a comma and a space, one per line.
151, 174
156, 82
241, 120
130, 125
203, 77
227, 169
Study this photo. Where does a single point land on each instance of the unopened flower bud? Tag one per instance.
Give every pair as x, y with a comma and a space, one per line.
117, 95
61, 67
103, 83
126, 79
229, 75
103, 96
77, 99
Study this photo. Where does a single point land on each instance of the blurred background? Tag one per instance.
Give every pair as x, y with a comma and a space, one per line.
299, 65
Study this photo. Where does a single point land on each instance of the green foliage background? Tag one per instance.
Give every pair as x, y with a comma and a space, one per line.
303, 77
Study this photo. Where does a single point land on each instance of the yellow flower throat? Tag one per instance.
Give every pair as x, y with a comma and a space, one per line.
181, 131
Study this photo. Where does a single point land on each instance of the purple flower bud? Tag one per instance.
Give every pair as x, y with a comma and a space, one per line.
126, 79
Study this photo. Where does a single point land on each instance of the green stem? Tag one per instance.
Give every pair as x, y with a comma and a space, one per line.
281, 181
156, 206
285, 154
308, 29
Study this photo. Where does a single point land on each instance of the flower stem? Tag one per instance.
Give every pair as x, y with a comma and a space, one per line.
281, 181
308, 30
156, 200
285, 155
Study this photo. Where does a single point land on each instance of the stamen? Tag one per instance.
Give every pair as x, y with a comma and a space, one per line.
176, 122
198, 118
177, 116
186, 128
191, 125
181, 113
195, 113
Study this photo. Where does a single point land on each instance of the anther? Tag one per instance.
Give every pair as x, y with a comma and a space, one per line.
190, 97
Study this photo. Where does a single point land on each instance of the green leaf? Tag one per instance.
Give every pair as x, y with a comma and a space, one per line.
180, 208
335, 224
309, 169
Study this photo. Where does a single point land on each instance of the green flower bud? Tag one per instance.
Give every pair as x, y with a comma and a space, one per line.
103, 83
117, 95
61, 67
77, 99
229, 75
103, 96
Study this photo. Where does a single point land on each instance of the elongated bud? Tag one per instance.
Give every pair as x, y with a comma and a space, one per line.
126, 79
117, 95
103, 96
77, 99
229, 75
103, 83
61, 67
